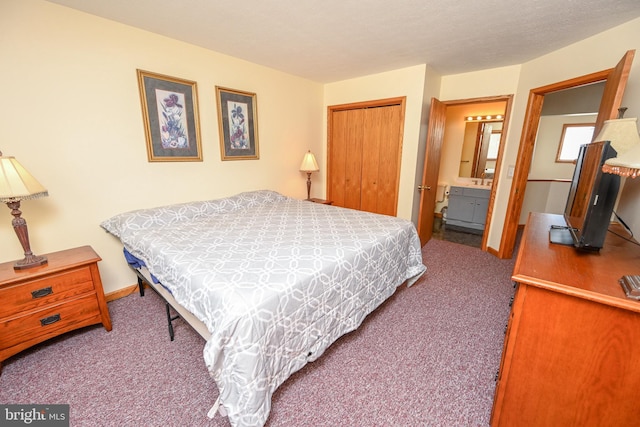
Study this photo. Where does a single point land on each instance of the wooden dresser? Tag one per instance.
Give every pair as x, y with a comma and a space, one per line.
44, 302
572, 349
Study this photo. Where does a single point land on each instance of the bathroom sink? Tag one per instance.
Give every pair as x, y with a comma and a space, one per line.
487, 185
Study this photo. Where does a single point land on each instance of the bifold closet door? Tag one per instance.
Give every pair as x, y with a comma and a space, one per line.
345, 158
381, 160
364, 158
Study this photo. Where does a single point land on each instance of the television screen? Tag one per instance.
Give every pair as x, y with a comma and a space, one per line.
591, 199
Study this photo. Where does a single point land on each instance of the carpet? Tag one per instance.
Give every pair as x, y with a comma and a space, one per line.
427, 357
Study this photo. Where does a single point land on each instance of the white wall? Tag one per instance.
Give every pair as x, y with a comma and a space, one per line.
71, 115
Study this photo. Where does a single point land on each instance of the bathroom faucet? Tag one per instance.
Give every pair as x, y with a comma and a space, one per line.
482, 176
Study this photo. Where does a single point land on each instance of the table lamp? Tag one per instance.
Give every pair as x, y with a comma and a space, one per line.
17, 184
309, 165
623, 136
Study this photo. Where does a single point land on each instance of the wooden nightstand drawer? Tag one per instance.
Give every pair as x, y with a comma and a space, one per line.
36, 326
43, 302
39, 293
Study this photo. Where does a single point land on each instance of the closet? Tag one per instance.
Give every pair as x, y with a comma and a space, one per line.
364, 153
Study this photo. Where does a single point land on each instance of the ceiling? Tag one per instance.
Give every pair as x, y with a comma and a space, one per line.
332, 40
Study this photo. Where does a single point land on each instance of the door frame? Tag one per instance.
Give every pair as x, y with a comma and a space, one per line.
530, 134
508, 100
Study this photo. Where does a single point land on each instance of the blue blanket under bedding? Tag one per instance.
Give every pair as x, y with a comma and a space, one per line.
136, 262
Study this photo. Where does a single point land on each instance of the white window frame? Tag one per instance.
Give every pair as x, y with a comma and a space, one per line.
573, 136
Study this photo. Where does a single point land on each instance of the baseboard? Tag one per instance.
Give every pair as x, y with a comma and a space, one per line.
121, 293
492, 251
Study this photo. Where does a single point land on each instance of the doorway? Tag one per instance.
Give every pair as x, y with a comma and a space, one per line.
616, 81
438, 118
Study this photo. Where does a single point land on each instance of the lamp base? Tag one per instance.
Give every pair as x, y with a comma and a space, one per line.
20, 227
631, 286
308, 185
30, 262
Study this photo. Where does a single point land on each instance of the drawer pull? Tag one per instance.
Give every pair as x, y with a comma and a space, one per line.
41, 292
49, 320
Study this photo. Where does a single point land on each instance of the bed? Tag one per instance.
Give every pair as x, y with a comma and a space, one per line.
274, 281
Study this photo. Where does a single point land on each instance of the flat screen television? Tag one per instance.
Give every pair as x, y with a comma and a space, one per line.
591, 199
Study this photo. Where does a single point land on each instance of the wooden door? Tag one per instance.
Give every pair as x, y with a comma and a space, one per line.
345, 158
613, 91
435, 136
364, 153
380, 159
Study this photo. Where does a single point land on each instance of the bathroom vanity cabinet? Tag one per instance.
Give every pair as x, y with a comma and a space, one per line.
468, 208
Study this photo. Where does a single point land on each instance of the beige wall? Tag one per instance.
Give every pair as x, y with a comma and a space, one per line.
483, 83
594, 54
432, 86
71, 115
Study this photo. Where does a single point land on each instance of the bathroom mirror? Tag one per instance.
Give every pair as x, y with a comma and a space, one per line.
480, 148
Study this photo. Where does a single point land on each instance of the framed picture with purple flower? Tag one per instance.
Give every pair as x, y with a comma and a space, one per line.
238, 124
170, 115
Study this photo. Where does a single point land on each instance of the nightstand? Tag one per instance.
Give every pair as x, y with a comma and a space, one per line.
43, 302
321, 201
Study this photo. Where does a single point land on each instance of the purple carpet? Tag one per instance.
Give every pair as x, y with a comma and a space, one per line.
427, 357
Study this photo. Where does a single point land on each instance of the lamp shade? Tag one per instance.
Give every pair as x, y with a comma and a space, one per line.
309, 163
626, 164
16, 183
622, 133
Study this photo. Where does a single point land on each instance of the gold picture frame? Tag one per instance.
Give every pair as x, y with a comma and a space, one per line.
238, 124
170, 116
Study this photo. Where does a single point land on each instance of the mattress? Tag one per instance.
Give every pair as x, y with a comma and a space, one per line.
275, 280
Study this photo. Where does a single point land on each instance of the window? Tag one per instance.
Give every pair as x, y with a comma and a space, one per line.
494, 145
573, 136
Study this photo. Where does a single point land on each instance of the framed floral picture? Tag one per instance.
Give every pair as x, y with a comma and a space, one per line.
170, 115
238, 124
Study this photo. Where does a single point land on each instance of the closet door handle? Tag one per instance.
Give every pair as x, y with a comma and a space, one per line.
424, 187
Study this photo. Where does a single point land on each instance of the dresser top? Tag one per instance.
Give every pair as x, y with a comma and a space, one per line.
57, 261
565, 269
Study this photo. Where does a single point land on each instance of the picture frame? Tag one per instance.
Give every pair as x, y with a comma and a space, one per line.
238, 124
170, 116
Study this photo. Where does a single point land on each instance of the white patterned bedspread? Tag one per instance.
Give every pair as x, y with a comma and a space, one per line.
276, 281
